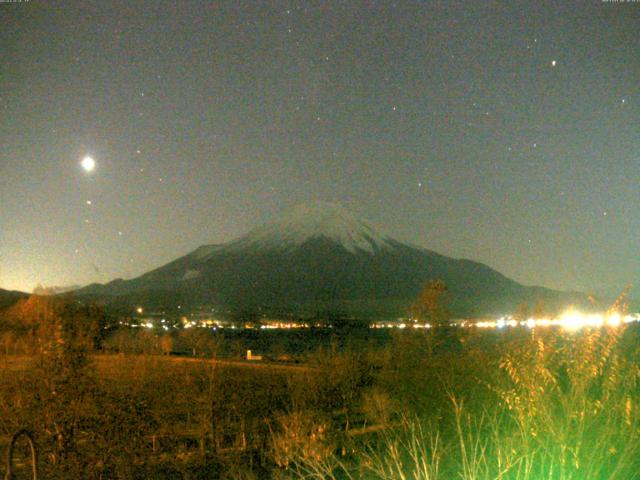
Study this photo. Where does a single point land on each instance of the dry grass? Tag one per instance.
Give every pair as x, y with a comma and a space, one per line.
557, 406
525, 405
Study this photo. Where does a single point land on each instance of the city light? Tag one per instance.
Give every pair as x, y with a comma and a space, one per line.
569, 320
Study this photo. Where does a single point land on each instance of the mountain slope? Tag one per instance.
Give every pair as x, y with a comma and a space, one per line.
9, 297
321, 258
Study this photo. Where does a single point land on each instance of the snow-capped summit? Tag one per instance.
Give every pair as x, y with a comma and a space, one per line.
319, 220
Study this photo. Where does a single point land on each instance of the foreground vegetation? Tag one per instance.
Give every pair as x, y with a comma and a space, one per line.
516, 404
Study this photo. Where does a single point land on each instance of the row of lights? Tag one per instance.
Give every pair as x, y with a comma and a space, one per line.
570, 320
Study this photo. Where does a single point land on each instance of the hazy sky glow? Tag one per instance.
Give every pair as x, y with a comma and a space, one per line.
505, 132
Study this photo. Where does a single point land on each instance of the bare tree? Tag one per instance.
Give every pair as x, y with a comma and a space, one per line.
539, 309
522, 311
431, 305
199, 340
167, 344
621, 303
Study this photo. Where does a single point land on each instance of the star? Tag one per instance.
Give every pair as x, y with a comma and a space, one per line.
88, 164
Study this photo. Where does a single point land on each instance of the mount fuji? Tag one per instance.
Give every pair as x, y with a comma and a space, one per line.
320, 258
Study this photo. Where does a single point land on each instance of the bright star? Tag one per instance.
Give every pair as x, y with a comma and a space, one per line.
88, 164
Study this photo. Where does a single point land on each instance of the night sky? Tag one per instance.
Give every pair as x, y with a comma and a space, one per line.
505, 132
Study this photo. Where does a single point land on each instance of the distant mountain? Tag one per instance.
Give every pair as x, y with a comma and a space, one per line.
9, 297
54, 290
321, 258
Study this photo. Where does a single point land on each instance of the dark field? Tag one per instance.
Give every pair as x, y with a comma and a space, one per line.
403, 404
